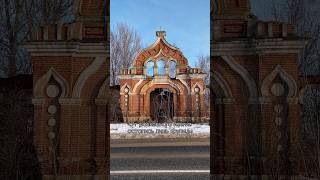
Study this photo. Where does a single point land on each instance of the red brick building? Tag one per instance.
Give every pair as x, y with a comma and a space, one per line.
255, 112
70, 94
160, 86
256, 129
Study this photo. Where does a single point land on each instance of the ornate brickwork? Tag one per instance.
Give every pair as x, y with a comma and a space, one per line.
70, 94
160, 49
254, 94
255, 88
138, 87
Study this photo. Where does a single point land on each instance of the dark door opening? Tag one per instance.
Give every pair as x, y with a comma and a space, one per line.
161, 105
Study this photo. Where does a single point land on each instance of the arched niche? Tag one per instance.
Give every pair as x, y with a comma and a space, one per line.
104, 90
220, 86
287, 78
149, 66
39, 88
172, 66
244, 74
126, 85
197, 85
161, 67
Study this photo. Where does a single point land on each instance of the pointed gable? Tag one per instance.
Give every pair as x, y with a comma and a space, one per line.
160, 49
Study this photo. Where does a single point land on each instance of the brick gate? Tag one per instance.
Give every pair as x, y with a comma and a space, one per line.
254, 92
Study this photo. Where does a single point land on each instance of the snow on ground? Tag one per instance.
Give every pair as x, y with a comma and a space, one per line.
159, 130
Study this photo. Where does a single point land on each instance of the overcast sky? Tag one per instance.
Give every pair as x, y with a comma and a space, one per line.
187, 24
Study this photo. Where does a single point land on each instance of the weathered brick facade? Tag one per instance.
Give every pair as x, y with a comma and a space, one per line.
254, 93
70, 63
184, 83
254, 96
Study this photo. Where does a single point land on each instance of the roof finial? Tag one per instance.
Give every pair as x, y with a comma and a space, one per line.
161, 34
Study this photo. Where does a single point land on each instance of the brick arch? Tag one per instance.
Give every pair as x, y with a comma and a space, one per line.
143, 88
43, 81
220, 86
184, 83
168, 86
95, 65
104, 89
186, 88
124, 86
232, 80
287, 78
161, 49
179, 100
244, 74
138, 88
146, 88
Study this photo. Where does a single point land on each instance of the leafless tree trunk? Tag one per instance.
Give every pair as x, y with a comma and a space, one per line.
17, 155
125, 43
310, 147
17, 19
204, 64
305, 16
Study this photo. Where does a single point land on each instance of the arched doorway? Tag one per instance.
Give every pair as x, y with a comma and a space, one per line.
161, 105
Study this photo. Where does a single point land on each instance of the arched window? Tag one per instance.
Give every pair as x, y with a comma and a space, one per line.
150, 66
172, 69
161, 67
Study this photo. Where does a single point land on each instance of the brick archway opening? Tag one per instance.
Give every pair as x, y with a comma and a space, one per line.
161, 105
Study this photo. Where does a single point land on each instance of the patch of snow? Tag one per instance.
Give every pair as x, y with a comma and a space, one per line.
159, 130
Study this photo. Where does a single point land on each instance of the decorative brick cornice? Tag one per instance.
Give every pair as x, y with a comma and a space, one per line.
70, 101
131, 76
224, 101
197, 76
74, 49
256, 46
38, 101
268, 100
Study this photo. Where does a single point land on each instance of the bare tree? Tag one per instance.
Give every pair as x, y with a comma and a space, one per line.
310, 146
125, 43
53, 11
276, 12
17, 19
17, 154
309, 26
204, 64
304, 15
